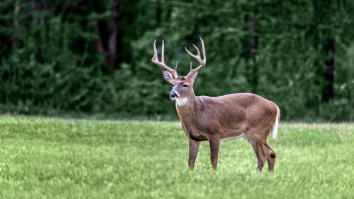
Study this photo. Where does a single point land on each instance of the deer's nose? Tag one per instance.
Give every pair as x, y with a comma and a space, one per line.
173, 95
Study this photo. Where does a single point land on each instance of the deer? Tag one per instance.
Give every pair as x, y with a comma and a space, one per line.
213, 119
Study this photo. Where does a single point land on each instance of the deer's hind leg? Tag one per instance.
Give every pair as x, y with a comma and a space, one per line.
261, 156
271, 155
268, 150
257, 145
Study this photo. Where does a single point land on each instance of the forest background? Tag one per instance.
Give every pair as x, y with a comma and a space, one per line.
94, 57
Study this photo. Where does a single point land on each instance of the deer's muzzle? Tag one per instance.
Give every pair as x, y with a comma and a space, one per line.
173, 95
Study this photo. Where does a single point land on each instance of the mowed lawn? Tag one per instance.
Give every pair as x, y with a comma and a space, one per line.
60, 158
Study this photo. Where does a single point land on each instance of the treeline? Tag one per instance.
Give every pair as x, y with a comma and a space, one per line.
94, 56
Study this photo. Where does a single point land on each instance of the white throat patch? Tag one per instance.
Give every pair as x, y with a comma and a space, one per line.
181, 101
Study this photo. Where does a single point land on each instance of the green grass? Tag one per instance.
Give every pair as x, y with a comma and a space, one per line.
54, 158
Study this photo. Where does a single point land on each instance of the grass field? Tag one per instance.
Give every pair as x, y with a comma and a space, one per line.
56, 158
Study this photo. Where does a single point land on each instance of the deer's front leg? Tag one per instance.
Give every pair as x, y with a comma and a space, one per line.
193, 152
214, 142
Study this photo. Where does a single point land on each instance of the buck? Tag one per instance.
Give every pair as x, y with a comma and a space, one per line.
213, 119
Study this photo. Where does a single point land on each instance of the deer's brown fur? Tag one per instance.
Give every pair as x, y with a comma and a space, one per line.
216, 118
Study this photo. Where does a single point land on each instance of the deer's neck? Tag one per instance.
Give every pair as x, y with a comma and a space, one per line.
186, 108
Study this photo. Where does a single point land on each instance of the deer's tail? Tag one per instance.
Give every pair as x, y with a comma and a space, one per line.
276, 124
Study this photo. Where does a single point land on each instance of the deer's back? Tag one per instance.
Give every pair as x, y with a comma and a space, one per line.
234, 113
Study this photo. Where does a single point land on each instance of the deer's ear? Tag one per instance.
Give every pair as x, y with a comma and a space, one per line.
168, 76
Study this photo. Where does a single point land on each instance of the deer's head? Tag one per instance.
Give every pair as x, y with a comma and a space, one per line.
182, 85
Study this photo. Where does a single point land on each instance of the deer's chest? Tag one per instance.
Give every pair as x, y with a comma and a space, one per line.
198, 132
196, 136
197, 126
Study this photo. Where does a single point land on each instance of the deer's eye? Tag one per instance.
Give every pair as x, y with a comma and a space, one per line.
185, 85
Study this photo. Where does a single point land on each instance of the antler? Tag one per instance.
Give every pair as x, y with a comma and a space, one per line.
201, 61
162, 64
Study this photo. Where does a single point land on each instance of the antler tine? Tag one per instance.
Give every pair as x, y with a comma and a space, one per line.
203, 50
155, 51
162, 64
198, 57
163, 52
176, 66
194, 56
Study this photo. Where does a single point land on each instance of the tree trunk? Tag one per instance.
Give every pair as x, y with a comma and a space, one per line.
109, 33
250, 52
329, 91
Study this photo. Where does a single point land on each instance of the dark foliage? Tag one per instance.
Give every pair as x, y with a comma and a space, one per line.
84, 56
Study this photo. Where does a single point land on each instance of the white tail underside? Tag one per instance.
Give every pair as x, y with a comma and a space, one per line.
275, 125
